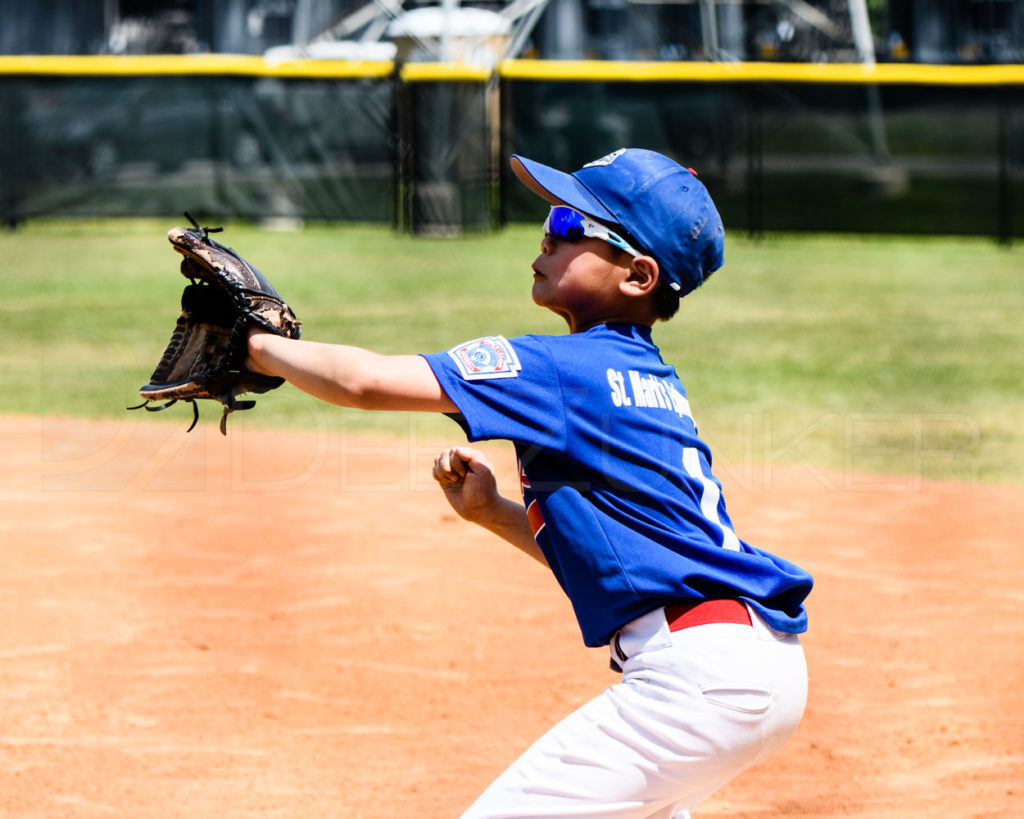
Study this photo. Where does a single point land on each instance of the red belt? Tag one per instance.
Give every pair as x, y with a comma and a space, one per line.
706, 612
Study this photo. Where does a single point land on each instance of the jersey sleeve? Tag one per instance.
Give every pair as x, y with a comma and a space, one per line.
504, 389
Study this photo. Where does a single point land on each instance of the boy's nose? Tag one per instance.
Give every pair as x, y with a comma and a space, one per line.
546, 245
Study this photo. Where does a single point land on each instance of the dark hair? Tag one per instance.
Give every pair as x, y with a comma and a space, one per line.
665, 300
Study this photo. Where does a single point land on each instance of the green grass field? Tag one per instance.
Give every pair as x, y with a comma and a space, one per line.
900, 356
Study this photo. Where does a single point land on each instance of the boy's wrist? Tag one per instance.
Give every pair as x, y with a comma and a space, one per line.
483, 512
256, 338
498, 513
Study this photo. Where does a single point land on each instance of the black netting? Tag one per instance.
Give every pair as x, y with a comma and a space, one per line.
799, 156
242, 147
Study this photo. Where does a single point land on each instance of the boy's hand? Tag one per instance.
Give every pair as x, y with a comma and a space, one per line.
467, 479
469, 485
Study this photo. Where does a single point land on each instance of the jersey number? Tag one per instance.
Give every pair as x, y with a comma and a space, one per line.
710, 495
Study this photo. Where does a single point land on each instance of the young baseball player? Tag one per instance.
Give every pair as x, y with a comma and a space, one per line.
618, 498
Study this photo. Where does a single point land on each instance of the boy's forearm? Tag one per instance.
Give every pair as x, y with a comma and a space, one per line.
325, 372
349, 376
507, 519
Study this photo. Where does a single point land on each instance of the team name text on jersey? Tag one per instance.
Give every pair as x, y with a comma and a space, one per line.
646, 391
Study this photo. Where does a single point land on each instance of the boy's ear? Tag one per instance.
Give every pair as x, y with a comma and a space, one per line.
643, 277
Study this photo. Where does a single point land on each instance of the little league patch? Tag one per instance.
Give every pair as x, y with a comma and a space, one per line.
483, 358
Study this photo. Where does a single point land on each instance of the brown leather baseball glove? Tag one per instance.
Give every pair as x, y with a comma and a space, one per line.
206, 355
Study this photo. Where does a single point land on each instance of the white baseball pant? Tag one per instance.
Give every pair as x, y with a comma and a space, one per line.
694, 708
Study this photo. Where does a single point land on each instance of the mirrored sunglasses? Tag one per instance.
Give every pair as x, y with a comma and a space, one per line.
570, 225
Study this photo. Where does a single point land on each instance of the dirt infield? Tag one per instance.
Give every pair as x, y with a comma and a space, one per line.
294, 625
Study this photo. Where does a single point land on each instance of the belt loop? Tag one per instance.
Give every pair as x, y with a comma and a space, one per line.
618, 655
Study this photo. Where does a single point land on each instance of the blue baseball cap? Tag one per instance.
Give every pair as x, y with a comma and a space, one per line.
658, 202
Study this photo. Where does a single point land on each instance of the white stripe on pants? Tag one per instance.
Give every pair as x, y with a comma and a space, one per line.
694, 709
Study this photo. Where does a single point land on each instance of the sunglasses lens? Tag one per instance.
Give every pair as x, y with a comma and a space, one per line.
566, 224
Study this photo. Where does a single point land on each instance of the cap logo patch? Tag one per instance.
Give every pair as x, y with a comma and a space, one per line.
484, 358
606, 160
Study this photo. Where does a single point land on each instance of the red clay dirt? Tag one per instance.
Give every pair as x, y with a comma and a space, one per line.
294, 625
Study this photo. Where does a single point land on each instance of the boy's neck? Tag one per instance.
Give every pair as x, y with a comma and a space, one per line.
581, 325
582, 328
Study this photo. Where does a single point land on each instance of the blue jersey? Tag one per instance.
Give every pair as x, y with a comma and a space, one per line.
617, 485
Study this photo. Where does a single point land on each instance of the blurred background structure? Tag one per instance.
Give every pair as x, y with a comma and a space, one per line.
849, 115
924, 31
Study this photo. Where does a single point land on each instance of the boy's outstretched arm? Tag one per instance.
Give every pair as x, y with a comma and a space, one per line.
350, 376
467, 479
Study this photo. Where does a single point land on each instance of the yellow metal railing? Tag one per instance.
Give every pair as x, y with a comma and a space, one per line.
204, 64
828, 73
537, 70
